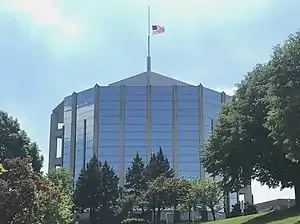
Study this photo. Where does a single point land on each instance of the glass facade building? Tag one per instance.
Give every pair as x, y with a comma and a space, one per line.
139, 114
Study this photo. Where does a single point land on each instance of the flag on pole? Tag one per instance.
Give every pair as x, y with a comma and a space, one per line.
156, 29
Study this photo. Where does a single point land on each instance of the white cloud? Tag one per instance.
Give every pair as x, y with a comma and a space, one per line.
228, 90
43, 19
264, 193
46, 13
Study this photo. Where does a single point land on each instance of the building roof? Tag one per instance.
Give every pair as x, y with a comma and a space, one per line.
149, 78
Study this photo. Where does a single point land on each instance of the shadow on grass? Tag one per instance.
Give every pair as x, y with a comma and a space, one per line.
275, 216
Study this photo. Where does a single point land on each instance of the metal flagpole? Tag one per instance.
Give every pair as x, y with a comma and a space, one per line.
148, 43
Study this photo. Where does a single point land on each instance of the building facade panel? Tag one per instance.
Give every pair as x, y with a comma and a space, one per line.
187, 112
135, 123
67, 132
170, 111
109, 125
84, 129
161, 110
212, 106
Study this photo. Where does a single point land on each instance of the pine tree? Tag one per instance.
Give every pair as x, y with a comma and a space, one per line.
134, 178
159, 166
110, 185
89, 188
97, 189
135, 183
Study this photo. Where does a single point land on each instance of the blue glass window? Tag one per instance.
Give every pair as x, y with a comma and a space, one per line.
85, 98
161, 105
188, 132
109, 94
85, 113
135, 142
109, 151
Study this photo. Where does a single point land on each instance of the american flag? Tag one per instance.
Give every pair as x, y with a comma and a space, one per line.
156, 29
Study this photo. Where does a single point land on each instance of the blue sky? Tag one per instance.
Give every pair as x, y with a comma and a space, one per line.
49, 48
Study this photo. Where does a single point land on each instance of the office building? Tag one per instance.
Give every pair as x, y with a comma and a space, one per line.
139, 114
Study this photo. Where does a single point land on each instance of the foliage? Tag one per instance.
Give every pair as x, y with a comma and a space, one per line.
88, 191
134, 221
256, 136
110, 186
211, 194
62, 178
284, 97
135, 183
17, 192
14, 142
2, 170
184, 192
28, 197
161, 190
97, 189
135, 180
189, 199
250, 209
158, 166
126, 204
160, 194
54, 204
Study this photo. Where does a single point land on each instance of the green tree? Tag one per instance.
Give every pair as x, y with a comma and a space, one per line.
97, 190
17, 192
54, 204
211, 194
189, 199
134, 178
158, 166
29, 197
14, 142
135, 181
111, 192
256, 136
62, 185
62, 178
160, 194
89, 189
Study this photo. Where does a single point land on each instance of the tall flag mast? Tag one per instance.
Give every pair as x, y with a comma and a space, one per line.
156, 29
149, 30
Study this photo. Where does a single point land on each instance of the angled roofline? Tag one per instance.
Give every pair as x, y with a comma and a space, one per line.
148, 78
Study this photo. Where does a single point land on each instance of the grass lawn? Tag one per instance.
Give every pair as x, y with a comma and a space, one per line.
290, 216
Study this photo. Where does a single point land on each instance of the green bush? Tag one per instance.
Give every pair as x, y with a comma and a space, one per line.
250, 209
134, 221
236, 210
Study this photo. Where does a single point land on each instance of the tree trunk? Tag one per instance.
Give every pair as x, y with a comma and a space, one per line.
153, 216
158, 215
190, 214
213, 213
92, 215
143, 213
297, 195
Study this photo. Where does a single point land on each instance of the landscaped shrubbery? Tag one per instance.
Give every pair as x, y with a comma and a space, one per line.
250, 209
134, 221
